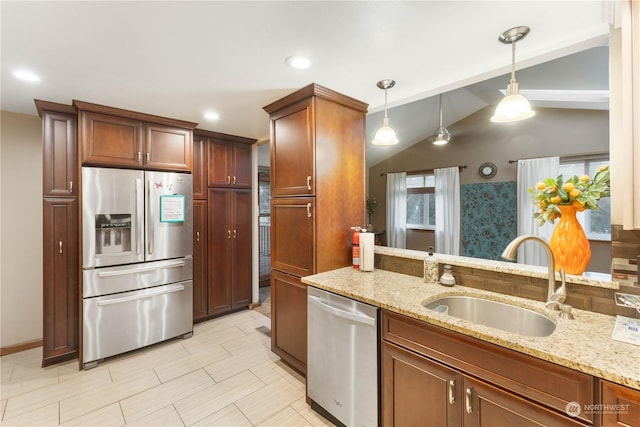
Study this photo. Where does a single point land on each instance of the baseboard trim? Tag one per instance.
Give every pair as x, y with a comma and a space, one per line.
17, 348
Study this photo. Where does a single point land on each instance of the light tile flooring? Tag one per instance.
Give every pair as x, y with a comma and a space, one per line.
225, 375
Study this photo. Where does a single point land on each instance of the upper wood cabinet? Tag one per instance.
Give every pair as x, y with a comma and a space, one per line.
115, 137
60, 168
200, 148
229, 164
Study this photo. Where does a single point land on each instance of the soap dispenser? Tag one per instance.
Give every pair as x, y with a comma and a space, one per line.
430, 268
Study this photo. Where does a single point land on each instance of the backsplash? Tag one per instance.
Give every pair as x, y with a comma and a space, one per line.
488, 218
582, 297
625, 250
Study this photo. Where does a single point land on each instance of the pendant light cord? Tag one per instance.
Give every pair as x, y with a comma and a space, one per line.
440, 102
513, 62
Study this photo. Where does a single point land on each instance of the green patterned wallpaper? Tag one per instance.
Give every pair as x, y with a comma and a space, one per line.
489, 218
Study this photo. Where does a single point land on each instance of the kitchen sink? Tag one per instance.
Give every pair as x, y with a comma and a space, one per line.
506, 317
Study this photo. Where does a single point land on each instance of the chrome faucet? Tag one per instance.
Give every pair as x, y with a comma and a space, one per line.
555, 297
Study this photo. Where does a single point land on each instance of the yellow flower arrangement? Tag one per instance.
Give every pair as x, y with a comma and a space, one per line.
581, 192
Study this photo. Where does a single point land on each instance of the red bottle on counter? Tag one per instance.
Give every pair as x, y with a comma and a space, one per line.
355, 248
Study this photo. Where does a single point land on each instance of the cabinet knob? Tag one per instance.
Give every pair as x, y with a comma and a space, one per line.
139, 156
452, 392
228, 234
197, 236
60, 246
228, 179
148, 157
234, 180
70, 186
309, 182
467, 400
308, 210
235, 233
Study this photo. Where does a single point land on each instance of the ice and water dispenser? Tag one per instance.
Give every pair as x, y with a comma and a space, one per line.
113, 233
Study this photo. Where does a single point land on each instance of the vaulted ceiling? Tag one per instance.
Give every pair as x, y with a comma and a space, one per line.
180, 59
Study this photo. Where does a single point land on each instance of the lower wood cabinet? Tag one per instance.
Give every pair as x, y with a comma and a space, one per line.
200, 275
60, 280
229, 250
289, 326
432, 376
620, 406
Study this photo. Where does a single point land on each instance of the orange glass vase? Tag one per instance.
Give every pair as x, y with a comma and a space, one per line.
569, 244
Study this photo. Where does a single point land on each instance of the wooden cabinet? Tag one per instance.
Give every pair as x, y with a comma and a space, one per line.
288, 297
60, 167
61, 262
60, 280
466, 381
200, 279
223, 214
229, 164
317, 189
229, 236
114, 137
620, 405
200, 165
293, 235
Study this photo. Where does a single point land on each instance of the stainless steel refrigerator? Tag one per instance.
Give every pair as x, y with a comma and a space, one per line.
137, 247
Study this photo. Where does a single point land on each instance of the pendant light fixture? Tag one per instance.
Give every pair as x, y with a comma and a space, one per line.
513, 106
385, 135
443, 136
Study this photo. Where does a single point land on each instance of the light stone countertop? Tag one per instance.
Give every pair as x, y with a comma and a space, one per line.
583, 344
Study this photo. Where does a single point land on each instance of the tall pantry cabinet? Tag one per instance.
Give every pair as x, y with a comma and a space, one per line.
60, 232
317, 191
222, 223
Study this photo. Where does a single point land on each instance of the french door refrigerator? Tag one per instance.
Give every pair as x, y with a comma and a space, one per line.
137, 247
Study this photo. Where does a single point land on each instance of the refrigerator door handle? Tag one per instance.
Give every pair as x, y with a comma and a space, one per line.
150, 220
176, 288
138, 196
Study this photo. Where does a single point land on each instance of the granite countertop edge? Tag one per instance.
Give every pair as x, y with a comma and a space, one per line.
583, 344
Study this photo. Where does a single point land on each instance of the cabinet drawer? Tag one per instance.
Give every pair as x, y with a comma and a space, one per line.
544, 382
293, 235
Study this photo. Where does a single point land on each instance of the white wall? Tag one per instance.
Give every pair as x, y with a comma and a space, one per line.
20, 228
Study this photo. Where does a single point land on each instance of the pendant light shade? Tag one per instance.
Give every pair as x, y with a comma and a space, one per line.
513, 106
385, 135
443, 136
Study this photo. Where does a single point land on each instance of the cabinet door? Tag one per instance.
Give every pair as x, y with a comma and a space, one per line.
219, 174
488, 406
241, 253
623, 404
60, 280
293, 235
110, 141
417, 391
219, 257
200, 279
168, 148
60, 167
292, 150
199, 167
289, 319
241, 165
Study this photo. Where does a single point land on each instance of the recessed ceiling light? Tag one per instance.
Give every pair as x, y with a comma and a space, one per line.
26, 75
298, 62
211, 115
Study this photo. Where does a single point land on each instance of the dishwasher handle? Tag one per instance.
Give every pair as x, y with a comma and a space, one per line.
356, 317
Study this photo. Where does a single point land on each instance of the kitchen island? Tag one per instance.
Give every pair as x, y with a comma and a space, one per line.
583, 344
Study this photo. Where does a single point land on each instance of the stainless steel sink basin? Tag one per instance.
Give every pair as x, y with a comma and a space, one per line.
506, 317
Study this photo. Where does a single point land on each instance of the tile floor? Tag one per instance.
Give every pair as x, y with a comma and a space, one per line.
225, 375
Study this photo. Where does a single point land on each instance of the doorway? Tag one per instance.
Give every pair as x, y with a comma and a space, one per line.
264, 227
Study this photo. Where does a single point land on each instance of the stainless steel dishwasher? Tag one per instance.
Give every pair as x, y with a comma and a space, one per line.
342, 358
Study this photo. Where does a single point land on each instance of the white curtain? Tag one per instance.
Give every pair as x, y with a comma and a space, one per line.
447, 194
397, 210
530, 172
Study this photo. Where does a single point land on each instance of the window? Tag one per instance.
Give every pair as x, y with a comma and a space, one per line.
596, 224
421, 202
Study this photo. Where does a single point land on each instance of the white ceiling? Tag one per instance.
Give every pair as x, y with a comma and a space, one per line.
178, 59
